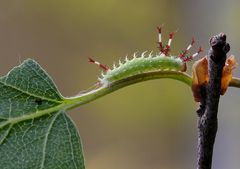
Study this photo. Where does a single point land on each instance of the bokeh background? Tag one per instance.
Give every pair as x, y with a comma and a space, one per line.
150, 125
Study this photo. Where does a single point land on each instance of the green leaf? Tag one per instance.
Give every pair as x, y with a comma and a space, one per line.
35, 132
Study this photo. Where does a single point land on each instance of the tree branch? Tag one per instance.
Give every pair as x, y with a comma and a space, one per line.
207, 122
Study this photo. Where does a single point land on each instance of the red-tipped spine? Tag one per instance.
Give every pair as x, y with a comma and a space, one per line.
91, 60
183, 54
161, 48
167, 49
105, 68
187, 59
200, 50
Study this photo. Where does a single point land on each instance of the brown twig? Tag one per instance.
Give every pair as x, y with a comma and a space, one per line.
207, 121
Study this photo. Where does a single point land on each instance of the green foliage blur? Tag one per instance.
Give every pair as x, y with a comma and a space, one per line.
148, 125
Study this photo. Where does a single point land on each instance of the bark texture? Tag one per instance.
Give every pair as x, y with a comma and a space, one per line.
207, 113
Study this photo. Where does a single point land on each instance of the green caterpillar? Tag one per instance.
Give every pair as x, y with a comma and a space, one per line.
146, 63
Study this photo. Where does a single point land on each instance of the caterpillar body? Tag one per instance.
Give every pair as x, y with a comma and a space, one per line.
142, 64
146, 63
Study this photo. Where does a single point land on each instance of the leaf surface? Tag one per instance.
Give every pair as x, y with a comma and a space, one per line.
35, 132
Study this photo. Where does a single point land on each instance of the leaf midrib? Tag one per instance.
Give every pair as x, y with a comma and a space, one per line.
34, 115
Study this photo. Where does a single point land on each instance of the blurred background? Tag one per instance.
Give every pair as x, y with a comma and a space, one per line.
150, 125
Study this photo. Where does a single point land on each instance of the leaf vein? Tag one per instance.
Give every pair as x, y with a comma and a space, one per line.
6, 134
46, 139
70, 142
